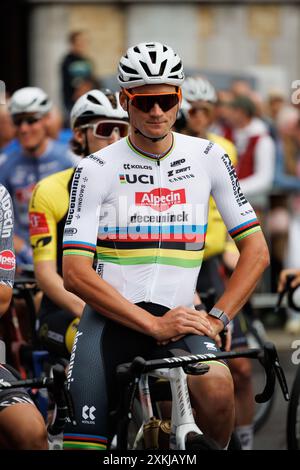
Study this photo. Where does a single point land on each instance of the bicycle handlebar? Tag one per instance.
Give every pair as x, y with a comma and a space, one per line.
267, 357
62, 396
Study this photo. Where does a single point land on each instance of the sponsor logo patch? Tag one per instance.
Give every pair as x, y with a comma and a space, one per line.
132, 179
38, 223
96, 159
70, 231
178, 162
160, 199
239, 196
7, 260
128, 166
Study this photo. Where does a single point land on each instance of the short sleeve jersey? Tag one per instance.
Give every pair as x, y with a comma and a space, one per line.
145, 218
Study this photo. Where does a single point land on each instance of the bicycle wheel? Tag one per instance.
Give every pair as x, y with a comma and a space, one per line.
293, 416
195, 442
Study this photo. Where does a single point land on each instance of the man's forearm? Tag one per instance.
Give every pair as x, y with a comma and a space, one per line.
106, 300
51, 283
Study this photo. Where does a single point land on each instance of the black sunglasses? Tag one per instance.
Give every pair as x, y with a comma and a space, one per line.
145, 102
18, 120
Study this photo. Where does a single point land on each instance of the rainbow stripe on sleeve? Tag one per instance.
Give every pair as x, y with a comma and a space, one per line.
245, 229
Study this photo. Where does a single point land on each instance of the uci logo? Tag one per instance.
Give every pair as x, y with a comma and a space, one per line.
132, 179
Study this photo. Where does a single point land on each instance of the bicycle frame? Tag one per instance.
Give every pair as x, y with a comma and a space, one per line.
182, 419
135, 374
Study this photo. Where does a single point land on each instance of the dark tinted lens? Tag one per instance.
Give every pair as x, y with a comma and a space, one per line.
194, 111
17, 120
146, 103
105, 129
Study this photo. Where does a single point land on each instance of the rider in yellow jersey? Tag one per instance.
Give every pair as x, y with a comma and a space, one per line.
200, 98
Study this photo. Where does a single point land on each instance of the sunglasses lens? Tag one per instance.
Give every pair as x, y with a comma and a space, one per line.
145, 103
105, 129
28, 119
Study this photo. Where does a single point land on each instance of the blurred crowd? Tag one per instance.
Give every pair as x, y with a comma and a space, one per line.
265, 131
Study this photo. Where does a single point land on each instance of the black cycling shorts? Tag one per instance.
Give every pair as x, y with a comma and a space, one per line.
99, 347
11, 397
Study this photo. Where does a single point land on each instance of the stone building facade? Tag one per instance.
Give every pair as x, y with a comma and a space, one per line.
257, 39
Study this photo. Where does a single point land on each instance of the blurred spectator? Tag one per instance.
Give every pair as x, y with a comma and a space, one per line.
55, 126
240, 87
221, 125
287, 179
7, 131
76, 68
275, 102
256, 151
287, 170
38, 156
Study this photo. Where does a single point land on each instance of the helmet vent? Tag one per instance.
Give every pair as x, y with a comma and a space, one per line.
152, 55
93, 99
129, 70
176, 68
162, 67
146, 69
136, 49
165, 49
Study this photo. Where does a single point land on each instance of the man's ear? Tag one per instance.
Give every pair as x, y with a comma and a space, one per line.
123, 100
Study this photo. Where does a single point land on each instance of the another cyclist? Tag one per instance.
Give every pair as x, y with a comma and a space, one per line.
21, 424
39, 156
97, 120
220, 250
141, 207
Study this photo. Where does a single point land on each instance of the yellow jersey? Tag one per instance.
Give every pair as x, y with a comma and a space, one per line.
48, 209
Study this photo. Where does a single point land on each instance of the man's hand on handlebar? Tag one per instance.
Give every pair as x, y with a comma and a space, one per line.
181, 321
283, 278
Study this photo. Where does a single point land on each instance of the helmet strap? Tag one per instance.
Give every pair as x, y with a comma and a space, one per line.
155, 139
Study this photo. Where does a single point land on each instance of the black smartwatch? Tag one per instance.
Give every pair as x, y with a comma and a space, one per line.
220, 315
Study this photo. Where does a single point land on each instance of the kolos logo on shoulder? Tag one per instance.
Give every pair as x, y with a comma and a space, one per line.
160, 199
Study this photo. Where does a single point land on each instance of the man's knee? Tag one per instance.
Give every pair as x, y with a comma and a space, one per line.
31, 436
241, 370
218, 389
23, 428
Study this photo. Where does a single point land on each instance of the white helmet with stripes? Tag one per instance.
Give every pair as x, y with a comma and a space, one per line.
29, 100
96, 103
150, 63
198, 89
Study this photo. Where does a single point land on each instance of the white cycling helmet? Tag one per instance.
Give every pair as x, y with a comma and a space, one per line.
29, 100
96, 103
150, 64
198, 89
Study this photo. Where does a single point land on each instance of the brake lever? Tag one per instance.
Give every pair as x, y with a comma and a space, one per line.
281, 377
266, 360
287, 287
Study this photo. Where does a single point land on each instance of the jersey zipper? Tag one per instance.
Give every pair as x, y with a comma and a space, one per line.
155, 265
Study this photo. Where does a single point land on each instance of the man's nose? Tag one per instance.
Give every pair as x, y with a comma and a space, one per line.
156, 110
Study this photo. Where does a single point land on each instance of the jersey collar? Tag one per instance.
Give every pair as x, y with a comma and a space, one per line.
150, 156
